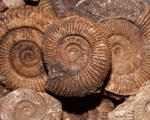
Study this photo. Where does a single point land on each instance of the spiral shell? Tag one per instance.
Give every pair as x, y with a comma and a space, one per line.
20, 47
24, 104
77, 56
130, 60
135, 107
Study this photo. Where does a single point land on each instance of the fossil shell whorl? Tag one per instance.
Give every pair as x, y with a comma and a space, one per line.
129, 61
77, 56
20, 47
47, 5
25, 104
135, 107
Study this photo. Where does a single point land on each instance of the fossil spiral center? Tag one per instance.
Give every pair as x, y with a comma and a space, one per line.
26, 111
124, 51
26, 58
73, 53
26, 108
27, 55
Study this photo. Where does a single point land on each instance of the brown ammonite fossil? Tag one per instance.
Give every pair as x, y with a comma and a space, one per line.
25, 104
77, 56
130, 55
20, 47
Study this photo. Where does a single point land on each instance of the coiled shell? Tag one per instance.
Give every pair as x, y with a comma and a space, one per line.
77, 56
130, 60
20, 47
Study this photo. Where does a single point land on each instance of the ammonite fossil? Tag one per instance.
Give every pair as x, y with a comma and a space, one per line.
77, 56
96, 10
20, 47
25, 104
130, 60
47, 5
135, 107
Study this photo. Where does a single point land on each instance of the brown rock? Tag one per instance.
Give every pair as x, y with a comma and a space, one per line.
24, 104
14, 3
96, 10
135, 107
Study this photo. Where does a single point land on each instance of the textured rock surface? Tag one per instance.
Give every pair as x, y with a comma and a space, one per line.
97, 10
24, 104
135, 107
14, 3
